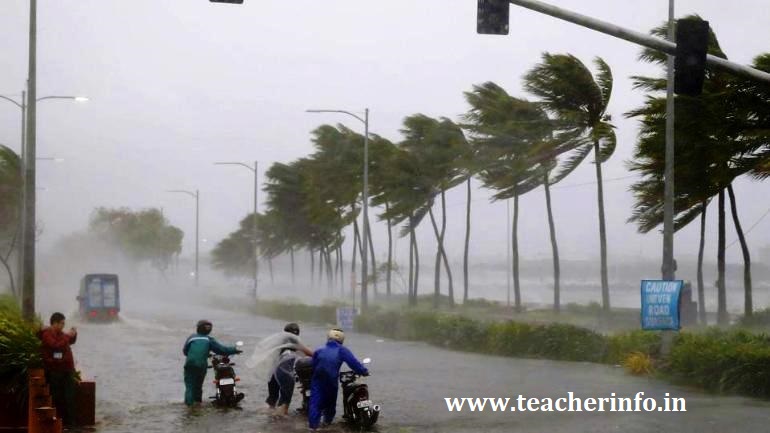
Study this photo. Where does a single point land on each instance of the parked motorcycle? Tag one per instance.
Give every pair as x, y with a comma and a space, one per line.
358, 408
225, 380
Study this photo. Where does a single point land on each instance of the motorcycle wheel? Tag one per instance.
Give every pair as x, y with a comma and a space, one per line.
365, 418
227, 394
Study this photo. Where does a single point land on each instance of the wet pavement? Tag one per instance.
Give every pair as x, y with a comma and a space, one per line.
137, 365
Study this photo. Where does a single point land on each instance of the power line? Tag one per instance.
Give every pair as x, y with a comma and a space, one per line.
751, 228
574, 185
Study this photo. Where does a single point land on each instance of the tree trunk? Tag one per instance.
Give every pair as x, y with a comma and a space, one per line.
416, 267
748, 305
5, 260
373, 260
312, 269
451, 291
554, 248
602, 230
701, 247
353, 278
722, 318
467, 240
291, 252
270, 266
437, 266
390, 254
410, 296
515, 253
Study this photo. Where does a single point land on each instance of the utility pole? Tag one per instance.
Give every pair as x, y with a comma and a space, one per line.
28, 279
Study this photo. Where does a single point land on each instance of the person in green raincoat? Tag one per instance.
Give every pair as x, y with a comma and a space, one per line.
196, 349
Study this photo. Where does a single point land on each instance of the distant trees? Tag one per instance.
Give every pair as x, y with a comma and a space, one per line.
143, 236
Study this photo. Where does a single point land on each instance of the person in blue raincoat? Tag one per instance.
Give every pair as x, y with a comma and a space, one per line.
196, 349
327, 361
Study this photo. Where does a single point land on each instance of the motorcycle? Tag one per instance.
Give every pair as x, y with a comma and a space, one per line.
303, 373
225, 380
358, 408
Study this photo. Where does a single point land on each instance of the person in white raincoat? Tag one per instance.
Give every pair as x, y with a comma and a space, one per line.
274, 358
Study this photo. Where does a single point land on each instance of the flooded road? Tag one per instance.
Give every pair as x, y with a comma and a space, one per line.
137, 365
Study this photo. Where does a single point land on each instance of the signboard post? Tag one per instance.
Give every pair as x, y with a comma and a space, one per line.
345, 317
660, 304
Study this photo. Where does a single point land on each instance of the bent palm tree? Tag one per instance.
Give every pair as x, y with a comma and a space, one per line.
569, 91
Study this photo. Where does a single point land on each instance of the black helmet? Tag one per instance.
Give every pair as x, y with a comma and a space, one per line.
292, 328
203, 327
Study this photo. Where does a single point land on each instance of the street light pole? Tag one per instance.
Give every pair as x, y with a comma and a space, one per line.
255, 232
196, 196
28, 240
668, 270
365, 234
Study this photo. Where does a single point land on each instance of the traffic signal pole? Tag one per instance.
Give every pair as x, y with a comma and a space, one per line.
662, 45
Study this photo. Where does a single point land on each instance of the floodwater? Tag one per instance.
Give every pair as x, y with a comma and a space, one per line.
137, 366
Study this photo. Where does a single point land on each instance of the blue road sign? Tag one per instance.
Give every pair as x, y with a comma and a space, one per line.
345, 317
660, 304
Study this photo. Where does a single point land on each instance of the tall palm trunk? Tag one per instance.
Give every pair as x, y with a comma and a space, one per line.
701, 247
437, 266
467, 239
554, 247
515, 253
312, 268
416, 267
340, 264
748, 305
270, 267
410, 296
291, 253
390, 253
602, 230
721, 291
353, 278
373, 260
451, 290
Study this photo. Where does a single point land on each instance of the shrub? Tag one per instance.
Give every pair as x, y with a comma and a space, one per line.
638, 363
759, 319
620, 345
19, 346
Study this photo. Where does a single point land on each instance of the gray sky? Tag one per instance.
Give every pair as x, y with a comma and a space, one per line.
178, 84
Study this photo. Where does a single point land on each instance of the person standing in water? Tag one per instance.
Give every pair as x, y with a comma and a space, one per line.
281, 385
196, 351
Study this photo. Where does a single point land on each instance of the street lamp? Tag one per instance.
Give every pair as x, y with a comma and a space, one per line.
196, 196
256, 245
365, 237
27, 209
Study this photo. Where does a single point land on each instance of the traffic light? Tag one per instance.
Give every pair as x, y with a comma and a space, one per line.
237, 2
492, 17
692, 38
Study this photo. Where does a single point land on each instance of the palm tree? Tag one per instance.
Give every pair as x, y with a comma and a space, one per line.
508, 135
720, 136
579, 100
10, 200
441, 145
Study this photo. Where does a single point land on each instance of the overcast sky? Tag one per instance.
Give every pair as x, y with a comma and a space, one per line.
176, 85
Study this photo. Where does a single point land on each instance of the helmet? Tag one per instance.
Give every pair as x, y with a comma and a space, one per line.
291, 328
203, 327
337, 335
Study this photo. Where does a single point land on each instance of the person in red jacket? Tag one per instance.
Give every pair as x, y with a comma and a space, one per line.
60, 366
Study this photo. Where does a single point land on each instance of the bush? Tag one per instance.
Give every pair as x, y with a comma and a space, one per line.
326, 313
638, 363
725, 361
19, 347
620, 345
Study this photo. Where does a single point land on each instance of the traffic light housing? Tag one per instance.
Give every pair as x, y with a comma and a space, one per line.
237, 2
492, 17
692, 38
